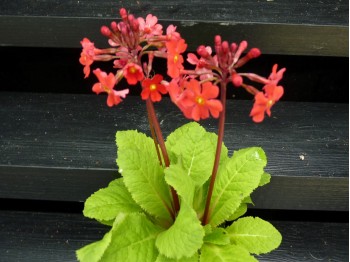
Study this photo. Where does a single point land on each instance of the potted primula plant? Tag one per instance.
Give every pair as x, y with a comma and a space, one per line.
179, 198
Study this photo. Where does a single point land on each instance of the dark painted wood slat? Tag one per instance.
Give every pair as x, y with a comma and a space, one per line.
27, 236
315, 12
277, 27
61, 147
288, 39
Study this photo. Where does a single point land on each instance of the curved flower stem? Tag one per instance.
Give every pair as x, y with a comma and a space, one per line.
218, 151
156, 126
154, 137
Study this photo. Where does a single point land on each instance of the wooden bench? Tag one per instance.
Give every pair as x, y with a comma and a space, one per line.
57, 139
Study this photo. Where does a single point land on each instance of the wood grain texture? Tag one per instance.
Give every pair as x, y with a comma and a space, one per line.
326, 12
277, 27
61, 147
27, 236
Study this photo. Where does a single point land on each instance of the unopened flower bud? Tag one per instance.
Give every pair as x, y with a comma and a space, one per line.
202, 51
233, 47
114, 26
123, 28
225, 47
254, 53
242, 46
217, 40
135, 25
123, 13
131, 18
237, 80
105, 31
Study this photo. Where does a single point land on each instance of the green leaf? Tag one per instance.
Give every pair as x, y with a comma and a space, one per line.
265, 179
236, 179
240, 211
143, 176
255, 235
105, 204
248, 200
218, 236
200, 199
133, 239
228, 253
195, 147
177, 177
94, 251
162, 258
184, 238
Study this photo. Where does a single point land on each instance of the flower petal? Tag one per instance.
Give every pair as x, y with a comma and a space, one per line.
209, 90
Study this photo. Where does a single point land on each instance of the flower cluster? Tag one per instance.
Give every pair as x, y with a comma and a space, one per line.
194, 91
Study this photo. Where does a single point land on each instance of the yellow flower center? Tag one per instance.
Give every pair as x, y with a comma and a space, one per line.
200, 100
152, 87
176, 57
132, 70
270, 103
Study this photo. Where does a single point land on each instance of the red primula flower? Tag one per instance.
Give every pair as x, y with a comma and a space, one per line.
87, 55
152, 88
175, 59
150, 26
106, 84
133, 73
264, 102
172, 34
200, 100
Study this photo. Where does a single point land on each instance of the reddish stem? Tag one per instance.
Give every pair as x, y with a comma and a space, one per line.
154, 137
218, 151
159, 135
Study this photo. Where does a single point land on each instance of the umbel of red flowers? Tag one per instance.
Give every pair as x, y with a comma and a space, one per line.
198, 92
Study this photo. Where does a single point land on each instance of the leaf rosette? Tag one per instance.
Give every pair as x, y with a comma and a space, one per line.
139, 208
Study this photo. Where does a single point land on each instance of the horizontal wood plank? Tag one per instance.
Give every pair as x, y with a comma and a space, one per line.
29, 236
61, 147
277, 27
325, 12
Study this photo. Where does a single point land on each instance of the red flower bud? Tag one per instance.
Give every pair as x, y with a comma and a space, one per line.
202, 51
225, 47
217, 40
114, 26
123, 13
237, 80
233, 47
254, 53
105, 31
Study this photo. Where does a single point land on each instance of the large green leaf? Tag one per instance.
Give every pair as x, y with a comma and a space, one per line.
255, 235
240, 211
177, 177
143, 176
236, 179
133, 239
184, 238
217, 236
195, 148
107, 203
94, 251
228, 253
